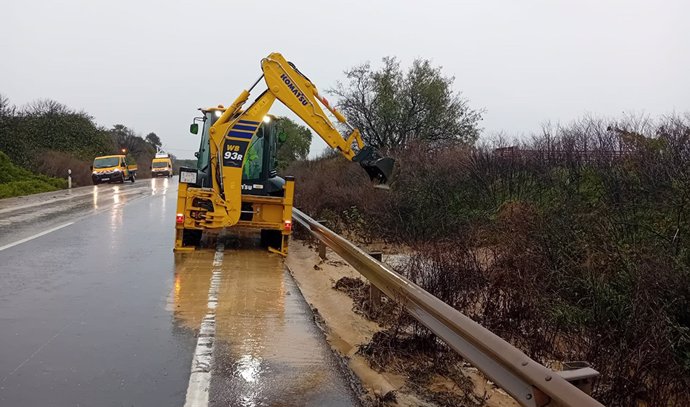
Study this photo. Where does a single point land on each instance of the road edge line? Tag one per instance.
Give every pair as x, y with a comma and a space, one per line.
37, 235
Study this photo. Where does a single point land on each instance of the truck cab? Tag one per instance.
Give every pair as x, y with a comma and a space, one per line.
112, 168
161, 166
259, 173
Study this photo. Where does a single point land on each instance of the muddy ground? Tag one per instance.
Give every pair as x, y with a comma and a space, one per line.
400, 383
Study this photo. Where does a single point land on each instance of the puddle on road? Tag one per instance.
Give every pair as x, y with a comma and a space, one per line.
188, 300
159, 186
268, 350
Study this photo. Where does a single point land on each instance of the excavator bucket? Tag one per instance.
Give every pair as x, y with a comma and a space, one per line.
380, 169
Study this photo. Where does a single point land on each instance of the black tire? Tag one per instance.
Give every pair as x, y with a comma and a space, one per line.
271, 238
131, 178
191, 237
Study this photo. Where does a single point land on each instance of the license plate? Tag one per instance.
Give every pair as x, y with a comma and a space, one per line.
188, 177
105, 179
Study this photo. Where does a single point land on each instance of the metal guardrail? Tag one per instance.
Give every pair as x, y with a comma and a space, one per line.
528, 382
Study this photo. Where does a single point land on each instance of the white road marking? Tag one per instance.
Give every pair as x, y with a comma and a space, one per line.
45, 232
200, 378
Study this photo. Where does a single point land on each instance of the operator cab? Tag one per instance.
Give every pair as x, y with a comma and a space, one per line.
259, 175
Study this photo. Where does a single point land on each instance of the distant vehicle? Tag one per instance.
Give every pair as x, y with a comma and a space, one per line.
161, 166
112, 168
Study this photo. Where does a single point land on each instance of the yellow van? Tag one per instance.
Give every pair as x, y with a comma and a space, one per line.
161, 166
112, 168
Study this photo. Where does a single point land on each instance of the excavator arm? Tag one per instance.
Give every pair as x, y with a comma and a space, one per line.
297, 92
231, 133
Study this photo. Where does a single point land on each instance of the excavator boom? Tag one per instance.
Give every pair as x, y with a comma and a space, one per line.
229, 140
300, 95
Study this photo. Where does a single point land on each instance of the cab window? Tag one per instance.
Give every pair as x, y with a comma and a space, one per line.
105, 162
204, 153
253, 164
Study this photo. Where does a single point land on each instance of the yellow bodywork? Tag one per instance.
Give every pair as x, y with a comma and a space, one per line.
126, 170
156, 170
228, 146
269, 213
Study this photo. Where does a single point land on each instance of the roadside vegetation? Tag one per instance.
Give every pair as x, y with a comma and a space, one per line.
48, 138
572, 245
16, 181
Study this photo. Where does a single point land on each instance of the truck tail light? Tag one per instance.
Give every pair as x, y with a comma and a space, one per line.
288, 225
179, 218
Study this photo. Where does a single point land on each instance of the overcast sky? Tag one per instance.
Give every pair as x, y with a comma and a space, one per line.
150, 64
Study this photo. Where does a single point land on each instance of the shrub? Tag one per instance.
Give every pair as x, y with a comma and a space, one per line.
15, 181
574, 245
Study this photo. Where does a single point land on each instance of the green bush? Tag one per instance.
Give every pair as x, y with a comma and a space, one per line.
16, 181
20, 188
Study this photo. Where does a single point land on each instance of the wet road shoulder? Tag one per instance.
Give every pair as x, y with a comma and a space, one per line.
268, 349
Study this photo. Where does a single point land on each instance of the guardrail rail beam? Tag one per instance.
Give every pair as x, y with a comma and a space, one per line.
528, 382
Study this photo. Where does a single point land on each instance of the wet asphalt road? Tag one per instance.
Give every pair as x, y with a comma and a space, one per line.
99, 311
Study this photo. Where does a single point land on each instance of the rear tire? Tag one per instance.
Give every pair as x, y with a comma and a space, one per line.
191, 237
131, 178
271, 238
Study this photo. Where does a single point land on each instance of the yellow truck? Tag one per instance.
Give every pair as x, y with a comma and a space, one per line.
112, 168
161, 166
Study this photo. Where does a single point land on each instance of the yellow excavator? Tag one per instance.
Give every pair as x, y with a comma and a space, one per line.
235, 183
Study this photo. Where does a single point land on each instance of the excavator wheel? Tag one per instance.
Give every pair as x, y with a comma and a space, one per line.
191, 237
271, 238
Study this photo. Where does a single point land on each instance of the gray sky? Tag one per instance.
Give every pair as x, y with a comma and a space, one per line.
150, 64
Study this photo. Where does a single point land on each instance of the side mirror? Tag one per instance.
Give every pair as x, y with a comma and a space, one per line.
123, 165
282, 137
194, 128
91, 167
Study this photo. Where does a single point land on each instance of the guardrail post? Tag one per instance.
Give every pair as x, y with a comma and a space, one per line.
322, 250
374, 293
322, 245
580, 374
69, 179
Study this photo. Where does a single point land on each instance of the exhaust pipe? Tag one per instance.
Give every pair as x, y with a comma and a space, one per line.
379, 169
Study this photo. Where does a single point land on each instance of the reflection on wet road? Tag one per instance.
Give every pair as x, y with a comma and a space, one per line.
24, 217
83, 309
268, 350
100, 312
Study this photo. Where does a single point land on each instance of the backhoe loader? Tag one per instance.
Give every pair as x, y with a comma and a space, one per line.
235, 183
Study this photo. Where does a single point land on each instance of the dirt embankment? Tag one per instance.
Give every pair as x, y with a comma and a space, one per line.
403, 381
